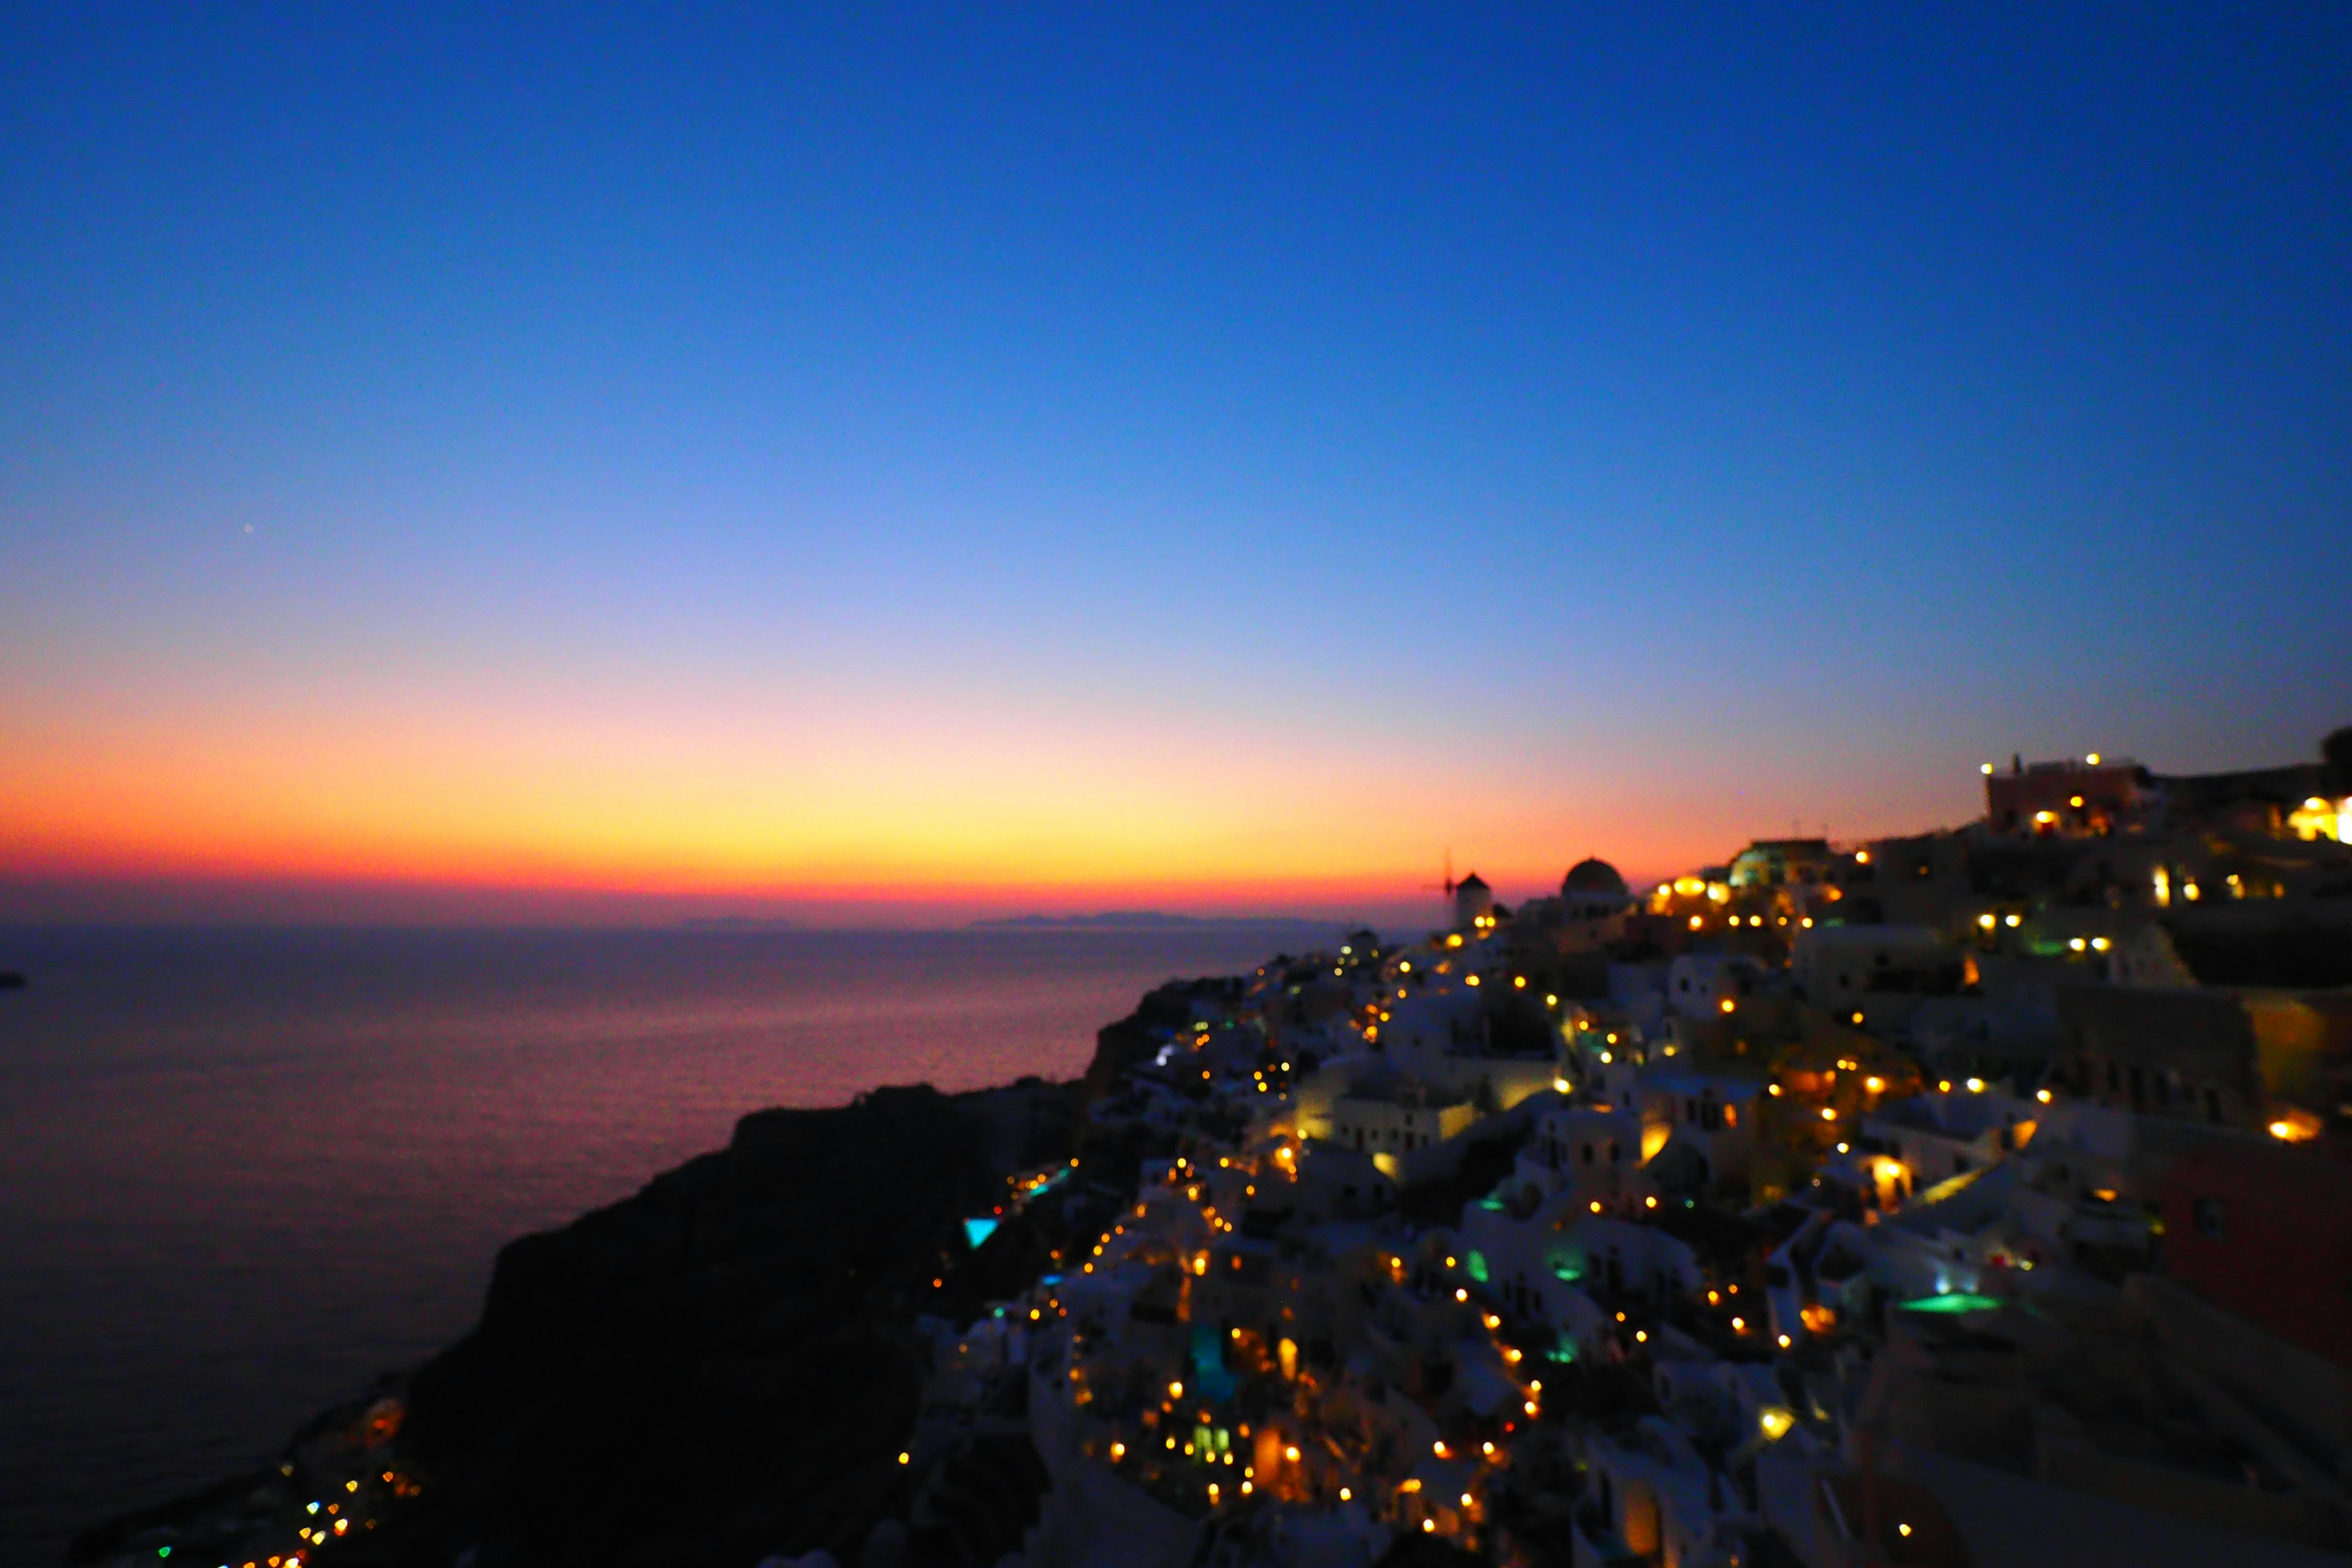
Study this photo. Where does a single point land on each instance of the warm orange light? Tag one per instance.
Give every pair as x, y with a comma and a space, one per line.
649, 788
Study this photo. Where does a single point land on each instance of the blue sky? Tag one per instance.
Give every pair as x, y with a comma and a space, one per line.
1507, 429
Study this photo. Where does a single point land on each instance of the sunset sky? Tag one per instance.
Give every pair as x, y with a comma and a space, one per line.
887, 464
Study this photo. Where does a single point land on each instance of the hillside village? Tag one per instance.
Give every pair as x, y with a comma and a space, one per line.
1976, 1197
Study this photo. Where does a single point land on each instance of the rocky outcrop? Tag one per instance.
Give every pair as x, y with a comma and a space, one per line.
1134, 1039
722, 1367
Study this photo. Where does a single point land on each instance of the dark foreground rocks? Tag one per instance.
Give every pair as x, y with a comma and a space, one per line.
722, 1368
724, 1365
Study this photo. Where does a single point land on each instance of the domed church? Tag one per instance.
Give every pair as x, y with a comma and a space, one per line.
1594, 904
1593, 879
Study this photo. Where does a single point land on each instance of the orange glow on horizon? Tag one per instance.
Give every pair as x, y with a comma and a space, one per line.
926, 803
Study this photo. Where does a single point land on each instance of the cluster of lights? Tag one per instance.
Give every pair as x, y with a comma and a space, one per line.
1773, 1423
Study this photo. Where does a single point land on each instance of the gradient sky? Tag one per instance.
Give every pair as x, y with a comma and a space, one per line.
877, 463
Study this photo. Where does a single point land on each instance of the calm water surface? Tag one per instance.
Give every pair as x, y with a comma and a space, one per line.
241, 1173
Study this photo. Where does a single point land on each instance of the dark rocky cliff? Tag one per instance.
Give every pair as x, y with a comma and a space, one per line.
1134, 1039
722, 1367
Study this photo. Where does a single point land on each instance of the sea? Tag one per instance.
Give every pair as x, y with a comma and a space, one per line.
243, 1172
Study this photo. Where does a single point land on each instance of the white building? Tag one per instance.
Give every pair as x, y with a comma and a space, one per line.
1699, 984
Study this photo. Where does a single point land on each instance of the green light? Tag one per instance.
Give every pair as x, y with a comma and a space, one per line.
1477, 1267
1957, 1301
979, 1230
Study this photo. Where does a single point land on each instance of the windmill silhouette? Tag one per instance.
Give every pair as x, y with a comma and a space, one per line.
1447, 886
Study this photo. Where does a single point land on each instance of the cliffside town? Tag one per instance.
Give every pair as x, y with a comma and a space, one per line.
1981, 1198
1975, 1198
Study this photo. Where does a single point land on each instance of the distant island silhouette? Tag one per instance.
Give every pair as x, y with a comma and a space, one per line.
1142, 919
